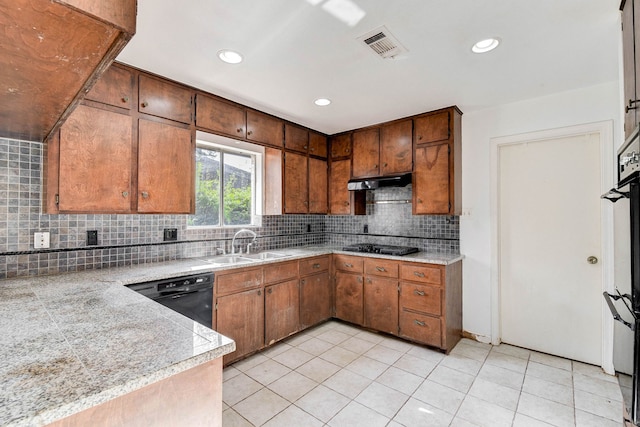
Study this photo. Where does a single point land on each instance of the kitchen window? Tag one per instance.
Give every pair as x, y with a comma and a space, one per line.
226, 183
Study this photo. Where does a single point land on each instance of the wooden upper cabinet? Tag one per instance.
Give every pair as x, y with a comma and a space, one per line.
220, 116
296, 187
366, 153
95, 162
264, 129
273, 173
341, 200
396, 148
318, 186
163, 99
432, 127
431, 183
296, 138
340, 146
115, 87
317, 145
165, 168
38, 90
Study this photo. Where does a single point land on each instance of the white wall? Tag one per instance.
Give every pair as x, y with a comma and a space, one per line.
592, 104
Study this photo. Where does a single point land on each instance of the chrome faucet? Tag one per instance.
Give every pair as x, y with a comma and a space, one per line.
243, 231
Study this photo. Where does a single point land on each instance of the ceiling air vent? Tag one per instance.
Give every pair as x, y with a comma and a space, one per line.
382, 42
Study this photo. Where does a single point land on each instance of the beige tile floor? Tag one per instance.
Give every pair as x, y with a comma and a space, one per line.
341, 376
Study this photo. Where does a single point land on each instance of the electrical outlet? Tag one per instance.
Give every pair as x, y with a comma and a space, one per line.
308, 228
366, 228
41, 240
170, 234
92, 237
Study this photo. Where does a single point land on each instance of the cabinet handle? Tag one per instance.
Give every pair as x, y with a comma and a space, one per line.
303, 281
316, 265
346, 203
311, 149
305, 203
380, 269
269, 291
368, 280
418, 274
145, 104
419, 323
347, 150
384, 165
250, 132
359, 279
239, 130
419, 137
346, 264
125, 99
375, 166
419, 293
125, 194
419, 200
305, 147
259, 292
145, 195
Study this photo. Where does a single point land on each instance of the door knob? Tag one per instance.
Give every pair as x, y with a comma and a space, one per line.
592, 260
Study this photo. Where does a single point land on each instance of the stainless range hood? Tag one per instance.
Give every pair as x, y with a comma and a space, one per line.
379, 182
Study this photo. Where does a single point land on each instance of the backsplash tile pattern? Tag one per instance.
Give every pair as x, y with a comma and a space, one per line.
135, 239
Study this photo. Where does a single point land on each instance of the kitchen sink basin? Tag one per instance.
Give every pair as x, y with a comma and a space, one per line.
265, 255
231, 259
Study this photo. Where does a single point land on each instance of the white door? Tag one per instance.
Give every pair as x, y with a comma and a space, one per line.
549, 225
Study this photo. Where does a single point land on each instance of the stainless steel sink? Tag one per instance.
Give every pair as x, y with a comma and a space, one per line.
229, 259
265, 255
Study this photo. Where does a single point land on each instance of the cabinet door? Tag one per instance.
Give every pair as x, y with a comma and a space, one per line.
296, 138
381, 304
349, 297
629, 64
317, 144
162, 99
340, 146
315, 299
264, 129
273, 181
282, 311
431, 128
296, 187
396, 148
220, 117
241, 317
115, 87
95, 162
318, 191
339, 196
431, 188
366, 153
166, 179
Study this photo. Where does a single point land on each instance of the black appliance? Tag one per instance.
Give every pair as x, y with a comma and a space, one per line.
191, 296
624, 303
380, 249
379, 182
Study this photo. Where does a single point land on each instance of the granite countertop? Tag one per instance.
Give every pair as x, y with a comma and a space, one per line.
73, 341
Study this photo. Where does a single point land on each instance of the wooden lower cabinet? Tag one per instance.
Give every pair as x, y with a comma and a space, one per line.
420, 327
381, 304
281, 311
240, 317
316, 302
349, 297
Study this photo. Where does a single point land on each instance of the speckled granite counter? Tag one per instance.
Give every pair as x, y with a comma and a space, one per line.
76, 340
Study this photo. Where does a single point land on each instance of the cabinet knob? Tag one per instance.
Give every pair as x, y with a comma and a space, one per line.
368, 280
259, 292
419, 137
250, 132
303, 281
419, 293
384, 165
311, 149
347, 150
419, 200
125, 99
375, 166
145, 104
359, 279
346, 203
145, 195
239, 130
305, 147
270, 290
125, 194
305, 203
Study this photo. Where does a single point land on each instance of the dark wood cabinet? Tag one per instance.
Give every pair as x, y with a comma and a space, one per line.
296, 184
341, 200
240, 316
349, 297
317, 145
165, 168
296, 138
315, 299
51, 54
264, 129
366, 153
396, 148
340, 146
631, 63
318, 186
432, 127
282, 315
220, 116
95, 164
381, 294
164, 99
115, 87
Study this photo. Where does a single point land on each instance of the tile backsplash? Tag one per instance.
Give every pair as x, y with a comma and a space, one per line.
134, 239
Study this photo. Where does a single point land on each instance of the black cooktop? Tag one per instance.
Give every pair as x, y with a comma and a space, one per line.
380, 249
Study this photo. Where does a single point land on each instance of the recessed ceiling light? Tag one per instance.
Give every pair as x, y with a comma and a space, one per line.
486, 45
322, 102
230, 56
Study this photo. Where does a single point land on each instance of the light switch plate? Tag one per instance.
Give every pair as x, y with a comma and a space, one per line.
41, 240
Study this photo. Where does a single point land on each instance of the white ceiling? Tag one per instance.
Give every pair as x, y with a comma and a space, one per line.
296, 52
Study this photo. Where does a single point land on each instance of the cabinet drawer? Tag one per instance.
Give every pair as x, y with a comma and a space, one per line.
220, 116
381, 267
264, 129
314, 265
353, 264
231, 282
420, 327
115, 87
280, 271
166, 100
424, 298
425, 273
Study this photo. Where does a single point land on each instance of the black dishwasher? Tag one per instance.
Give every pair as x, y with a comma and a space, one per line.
191, 296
